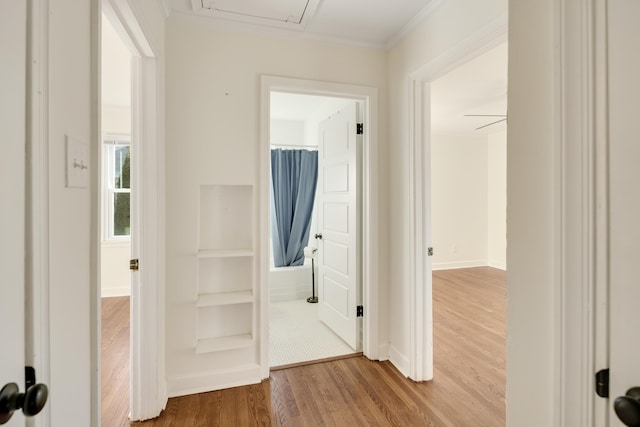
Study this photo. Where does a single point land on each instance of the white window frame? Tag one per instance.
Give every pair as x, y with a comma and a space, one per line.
108, 188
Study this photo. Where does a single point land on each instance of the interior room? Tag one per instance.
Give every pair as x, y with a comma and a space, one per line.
115, 248
296, 333
200, 318
468, 221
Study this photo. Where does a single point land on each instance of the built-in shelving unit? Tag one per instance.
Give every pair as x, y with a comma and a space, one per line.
226, 295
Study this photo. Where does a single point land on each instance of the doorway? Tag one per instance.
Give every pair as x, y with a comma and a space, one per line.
368, 98
302, 326
115, 248
146, 383
420, 366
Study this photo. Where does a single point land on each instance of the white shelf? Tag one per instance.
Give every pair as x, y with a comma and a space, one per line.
225, 298
210, 345
224, 253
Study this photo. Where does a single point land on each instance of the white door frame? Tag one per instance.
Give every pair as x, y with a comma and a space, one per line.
37, 264
420, 313
370, 225
148, 392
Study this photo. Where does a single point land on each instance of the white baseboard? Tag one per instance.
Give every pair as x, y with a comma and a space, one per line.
498, 264
383, 352
204, 382
123, 291
399, 361
459, 264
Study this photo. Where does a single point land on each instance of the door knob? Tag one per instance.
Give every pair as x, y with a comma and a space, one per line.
30, 402
318, 236
628, 407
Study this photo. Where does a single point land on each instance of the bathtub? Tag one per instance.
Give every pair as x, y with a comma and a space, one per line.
290, 283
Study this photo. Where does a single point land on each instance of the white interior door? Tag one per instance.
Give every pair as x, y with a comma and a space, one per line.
339, 289
13, 35
624, 170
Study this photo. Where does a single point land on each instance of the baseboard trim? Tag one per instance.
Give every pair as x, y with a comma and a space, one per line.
383, 352
460, 264
498, 265
398, 360
212, 381
124, 291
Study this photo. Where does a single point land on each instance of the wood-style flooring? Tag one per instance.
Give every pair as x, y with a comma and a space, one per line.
468, 388
115, 362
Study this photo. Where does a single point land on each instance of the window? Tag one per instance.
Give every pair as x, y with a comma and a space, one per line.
117, 188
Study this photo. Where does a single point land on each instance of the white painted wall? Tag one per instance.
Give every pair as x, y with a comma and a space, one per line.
212, 138
287, 132
447, 27
69, 113
497, 200
533, 286
459, 199
115, 277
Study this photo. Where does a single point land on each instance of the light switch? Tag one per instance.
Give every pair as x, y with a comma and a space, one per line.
77, 164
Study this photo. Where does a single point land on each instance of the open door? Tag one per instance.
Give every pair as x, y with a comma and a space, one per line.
339, 275
16, 400
624, 220
13, 34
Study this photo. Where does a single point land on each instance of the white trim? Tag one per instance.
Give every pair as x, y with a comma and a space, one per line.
400, 361
500, 265
369, 97
582, 257
121, 15
122, 291
420, 313
421, 16
460, 264
148, 382
201, 383
38, 195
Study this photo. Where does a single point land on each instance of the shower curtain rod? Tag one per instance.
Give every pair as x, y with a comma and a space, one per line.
295, 147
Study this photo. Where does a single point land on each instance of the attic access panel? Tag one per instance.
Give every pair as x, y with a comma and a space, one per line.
291, 14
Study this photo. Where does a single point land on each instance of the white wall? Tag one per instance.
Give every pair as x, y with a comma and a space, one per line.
287, 132
532, 340
497, 200
70, 216
446, 28
213, 119
459, 199
115, 277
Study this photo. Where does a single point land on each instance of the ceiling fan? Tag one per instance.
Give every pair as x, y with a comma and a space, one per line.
503, 119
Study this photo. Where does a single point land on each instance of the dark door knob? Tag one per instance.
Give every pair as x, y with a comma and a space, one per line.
628, 407
30, 402
319, 236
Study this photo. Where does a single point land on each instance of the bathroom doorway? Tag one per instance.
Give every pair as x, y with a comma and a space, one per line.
308, 299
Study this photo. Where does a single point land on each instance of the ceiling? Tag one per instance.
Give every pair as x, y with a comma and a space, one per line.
477, 87
376, 23
116, 68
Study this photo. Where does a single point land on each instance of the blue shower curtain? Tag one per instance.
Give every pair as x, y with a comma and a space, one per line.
294, 175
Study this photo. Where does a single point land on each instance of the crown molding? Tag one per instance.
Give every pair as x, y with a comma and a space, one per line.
414, 22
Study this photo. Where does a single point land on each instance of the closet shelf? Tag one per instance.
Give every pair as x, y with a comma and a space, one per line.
224, 253
224, 298
210, 345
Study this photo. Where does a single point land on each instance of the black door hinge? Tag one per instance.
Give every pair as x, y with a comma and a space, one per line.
360, 128
359, 311
602, 383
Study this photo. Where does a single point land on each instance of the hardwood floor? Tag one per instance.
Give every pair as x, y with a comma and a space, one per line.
468, 388
115, 362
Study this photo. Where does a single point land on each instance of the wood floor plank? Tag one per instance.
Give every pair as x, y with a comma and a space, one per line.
468, 389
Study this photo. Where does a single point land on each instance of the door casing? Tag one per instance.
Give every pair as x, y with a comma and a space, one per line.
370, 243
